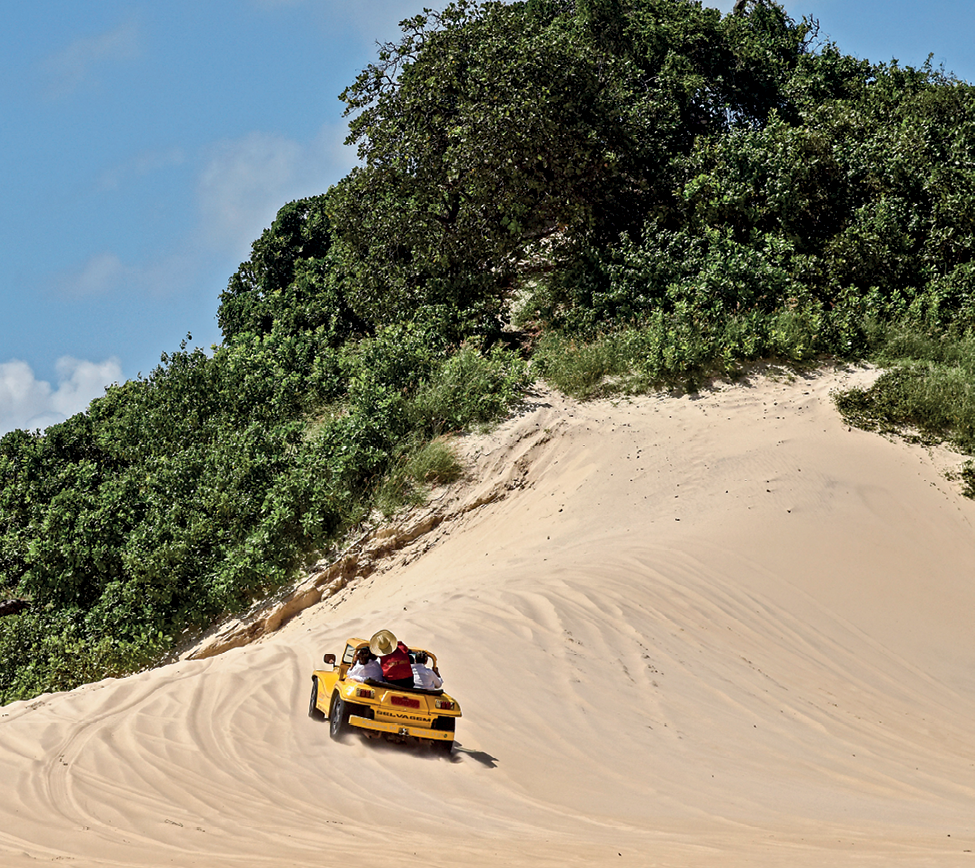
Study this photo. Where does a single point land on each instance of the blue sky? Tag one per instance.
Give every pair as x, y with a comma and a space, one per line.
146, 145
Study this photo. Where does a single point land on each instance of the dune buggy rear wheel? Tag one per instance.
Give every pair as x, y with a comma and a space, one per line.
338, 717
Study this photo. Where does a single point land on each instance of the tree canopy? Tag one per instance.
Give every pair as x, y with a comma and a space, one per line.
647, 186
490, 128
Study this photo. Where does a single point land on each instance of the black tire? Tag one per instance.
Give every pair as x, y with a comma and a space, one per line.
338, 717
314, 712
444, 747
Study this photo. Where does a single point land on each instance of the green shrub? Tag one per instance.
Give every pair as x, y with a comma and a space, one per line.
435, 463
189, 494
928, 389
577, 368
967, 475
470, 388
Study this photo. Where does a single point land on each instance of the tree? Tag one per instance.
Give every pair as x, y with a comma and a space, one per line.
290, 281
491, 132
483, 131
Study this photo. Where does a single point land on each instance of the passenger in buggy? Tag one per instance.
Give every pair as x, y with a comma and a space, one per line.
423, 675
366, 666
394, 658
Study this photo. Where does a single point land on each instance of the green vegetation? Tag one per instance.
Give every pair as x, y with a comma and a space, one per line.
649, 192
928, 390
190, 493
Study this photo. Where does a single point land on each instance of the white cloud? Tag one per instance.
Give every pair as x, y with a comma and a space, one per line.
106, 274
143, 164
26, 402
75, 65
100, 275
241, 184
247, 180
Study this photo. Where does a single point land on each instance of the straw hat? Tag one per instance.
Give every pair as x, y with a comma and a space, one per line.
383, 643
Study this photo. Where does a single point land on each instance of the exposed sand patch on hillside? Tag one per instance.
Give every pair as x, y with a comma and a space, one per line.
710, 630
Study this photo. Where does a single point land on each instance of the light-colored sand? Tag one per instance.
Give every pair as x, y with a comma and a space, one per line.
708, 630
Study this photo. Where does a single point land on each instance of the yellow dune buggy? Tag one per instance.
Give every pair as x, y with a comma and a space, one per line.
378, 709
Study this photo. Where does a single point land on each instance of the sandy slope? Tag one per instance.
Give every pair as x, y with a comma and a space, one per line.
712, 630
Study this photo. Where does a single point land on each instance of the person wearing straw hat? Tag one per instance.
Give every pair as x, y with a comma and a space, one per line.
394, 658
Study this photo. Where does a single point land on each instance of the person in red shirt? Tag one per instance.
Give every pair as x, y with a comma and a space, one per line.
394, 657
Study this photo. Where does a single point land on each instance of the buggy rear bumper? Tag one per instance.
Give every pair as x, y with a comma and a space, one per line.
400, 729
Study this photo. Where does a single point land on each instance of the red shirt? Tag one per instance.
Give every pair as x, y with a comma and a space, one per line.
397, 665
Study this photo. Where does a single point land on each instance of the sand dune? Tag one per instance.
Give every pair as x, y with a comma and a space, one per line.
704, 630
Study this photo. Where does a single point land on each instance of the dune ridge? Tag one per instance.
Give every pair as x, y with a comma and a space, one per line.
707, 629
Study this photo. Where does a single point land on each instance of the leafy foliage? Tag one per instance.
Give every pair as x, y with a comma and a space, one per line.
928, 390
491, 127
656, 192
192, 492
290, 283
